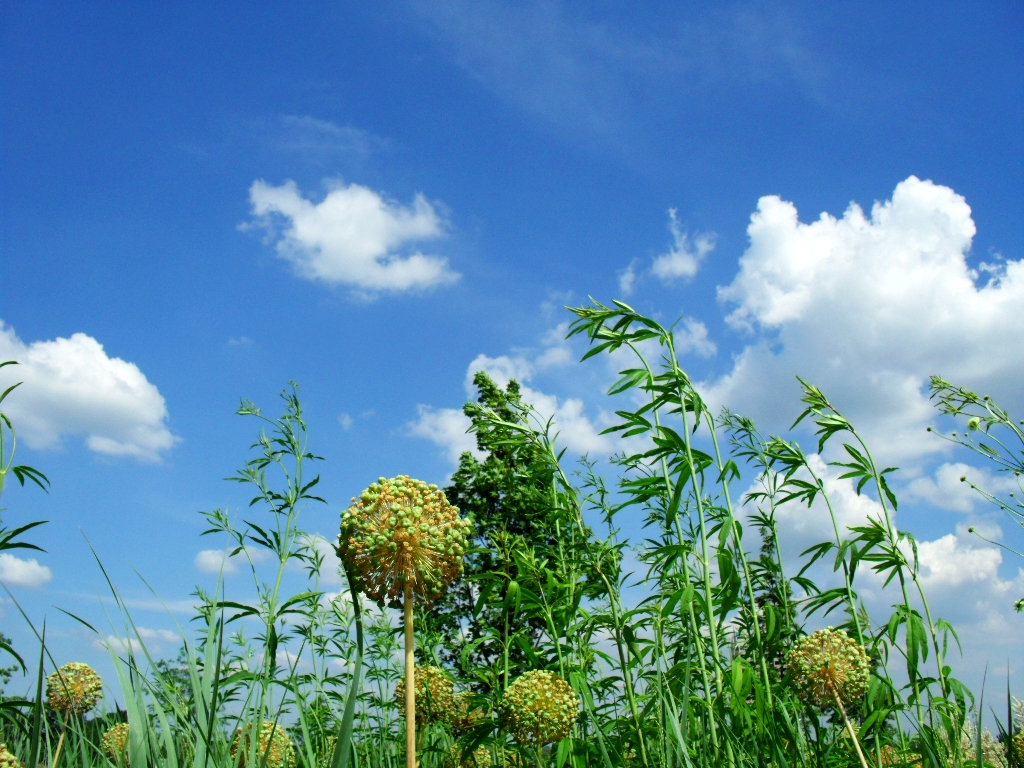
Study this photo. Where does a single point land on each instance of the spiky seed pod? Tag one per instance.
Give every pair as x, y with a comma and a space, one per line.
478, 758
464, 715
7, 759
73, 689
539, 708
273, 742
828, 665
115, 744
435, 695
326, 754
403, 531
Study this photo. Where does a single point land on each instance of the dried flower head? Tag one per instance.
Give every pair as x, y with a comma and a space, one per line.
435, 695
403, 531
828, 666
464, 715
7, 759
539, 708
1018, 746
73, 689
115, 744
274, 743
478, 758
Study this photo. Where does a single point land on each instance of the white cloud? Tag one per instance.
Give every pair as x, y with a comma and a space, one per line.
158, 635
947, 491
693, 337
330, 568
71, 387
627, 279
446, 428
15, 572
345, 421
216, 560
353, 237
868, 308
682, 259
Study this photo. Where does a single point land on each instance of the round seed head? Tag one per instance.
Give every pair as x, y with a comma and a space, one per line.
539, 708
478, 758
1018, 746
7, 758
403, 531
326, 755
464, 715
115, 744
274, 743
828, 666
434, 692
73, 689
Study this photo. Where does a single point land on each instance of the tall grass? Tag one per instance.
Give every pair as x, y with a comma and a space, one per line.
676, 644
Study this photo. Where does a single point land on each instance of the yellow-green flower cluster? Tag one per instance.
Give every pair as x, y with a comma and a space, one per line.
539, 708
478, 758
463, 715
403, 531
273, 742
435, 695
73, 689
1018, 746
828, 667
326, 754
7, 759
115, 744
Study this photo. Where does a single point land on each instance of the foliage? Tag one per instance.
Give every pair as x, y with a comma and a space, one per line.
680, 650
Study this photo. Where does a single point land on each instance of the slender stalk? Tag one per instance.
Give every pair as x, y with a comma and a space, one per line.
410, 690
849, 730
60, 743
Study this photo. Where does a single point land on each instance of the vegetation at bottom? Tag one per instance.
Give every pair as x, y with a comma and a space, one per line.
540, 636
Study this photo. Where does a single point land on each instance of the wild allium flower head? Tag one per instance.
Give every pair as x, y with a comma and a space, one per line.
115, 744
274, 742
463, 714
403, 531
539, 708
1018, 746
478, 758
435, 695
827, 666
73, 689
326, 754
7, 759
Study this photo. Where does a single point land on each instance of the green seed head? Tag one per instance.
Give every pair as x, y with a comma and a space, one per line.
539, 708
274, 744
7, 758
403, 532
115, 744
828, 667
434, 692
74, 689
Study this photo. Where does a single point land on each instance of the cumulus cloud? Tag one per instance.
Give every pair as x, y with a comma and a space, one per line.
15, 572
446, 427
683, 259
71, 387
680, 262
868, 308
353, 237
946, 491
217, 560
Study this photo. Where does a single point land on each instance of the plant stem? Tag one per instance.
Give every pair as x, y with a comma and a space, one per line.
60, 743
853, 733
410, 690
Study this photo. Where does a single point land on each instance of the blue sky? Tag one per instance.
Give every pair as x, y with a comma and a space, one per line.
460, 171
